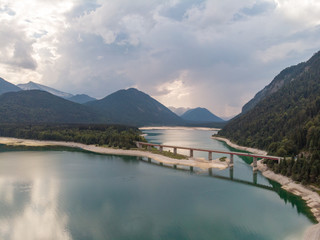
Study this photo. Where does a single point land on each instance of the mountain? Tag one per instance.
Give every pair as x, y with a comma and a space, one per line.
81, 98
277, 83
286, 121
200, 115
7, 87
134, 107
179, 111
35, 106
36, 86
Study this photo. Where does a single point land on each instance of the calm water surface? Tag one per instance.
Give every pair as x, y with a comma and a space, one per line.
77, 195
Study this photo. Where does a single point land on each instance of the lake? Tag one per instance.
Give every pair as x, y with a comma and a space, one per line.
80, 195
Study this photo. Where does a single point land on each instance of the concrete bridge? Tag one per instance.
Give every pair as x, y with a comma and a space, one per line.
209, 151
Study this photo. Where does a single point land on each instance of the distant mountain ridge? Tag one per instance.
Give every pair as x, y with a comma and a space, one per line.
200, 115
36, 86
81, 98
36, 106
130, 107
7, 87
179, 111
134, 107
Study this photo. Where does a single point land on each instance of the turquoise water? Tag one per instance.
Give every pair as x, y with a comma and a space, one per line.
77, 195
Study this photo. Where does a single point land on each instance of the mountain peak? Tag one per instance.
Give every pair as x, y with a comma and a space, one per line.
36, 106
36, 86
200, 115
135, 107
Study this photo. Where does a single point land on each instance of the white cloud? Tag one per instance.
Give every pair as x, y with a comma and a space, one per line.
300, 12
175, 91
97, 47
281, 51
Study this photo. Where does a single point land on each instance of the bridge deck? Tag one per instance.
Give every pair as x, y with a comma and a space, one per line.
212, 151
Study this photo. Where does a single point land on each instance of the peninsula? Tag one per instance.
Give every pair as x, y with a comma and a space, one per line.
189, 162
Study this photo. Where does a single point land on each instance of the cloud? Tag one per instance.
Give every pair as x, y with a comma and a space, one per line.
15, 49
216, 47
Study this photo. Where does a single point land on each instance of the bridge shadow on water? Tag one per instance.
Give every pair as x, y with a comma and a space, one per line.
289, 198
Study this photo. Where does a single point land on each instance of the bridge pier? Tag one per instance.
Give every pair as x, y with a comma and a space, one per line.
149, 148
231, 160
160, 148
255, 177
231, 173
175, 151
191, 152
254, 164
210, 156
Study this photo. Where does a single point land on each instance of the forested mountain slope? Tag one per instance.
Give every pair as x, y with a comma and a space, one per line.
286, 122
35, 106
133, 107
277, 83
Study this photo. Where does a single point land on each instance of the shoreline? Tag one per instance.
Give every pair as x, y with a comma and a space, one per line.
189, 162
311, 198
248, 149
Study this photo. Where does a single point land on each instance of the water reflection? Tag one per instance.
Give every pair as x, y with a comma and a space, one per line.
295, 201
29, 206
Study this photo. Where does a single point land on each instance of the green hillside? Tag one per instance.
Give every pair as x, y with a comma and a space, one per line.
133, 107
287, 122
37, 106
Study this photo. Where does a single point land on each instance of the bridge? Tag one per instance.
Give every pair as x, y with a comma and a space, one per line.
209, 151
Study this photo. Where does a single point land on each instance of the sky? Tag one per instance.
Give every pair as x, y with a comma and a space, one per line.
184, 53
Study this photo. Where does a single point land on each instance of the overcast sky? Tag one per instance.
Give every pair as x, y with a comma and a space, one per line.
214, 54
